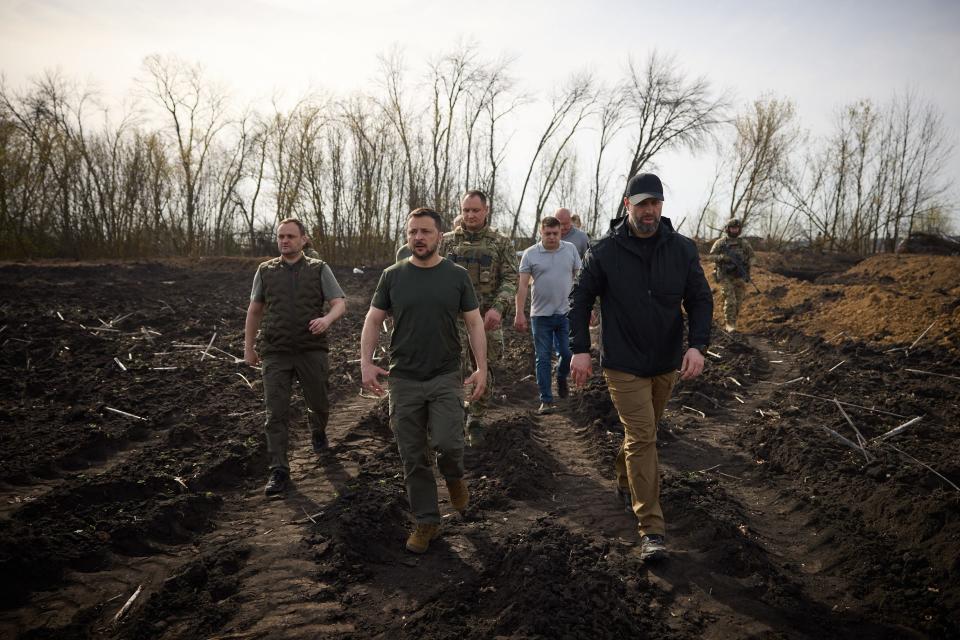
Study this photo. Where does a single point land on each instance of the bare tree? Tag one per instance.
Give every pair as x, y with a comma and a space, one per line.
570, 108
195, 112
399, 114
765, 135
667, 110
612, 121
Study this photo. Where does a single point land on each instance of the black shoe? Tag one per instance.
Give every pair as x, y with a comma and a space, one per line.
562, 389
623, 495
277, 484
652, 547
320, 442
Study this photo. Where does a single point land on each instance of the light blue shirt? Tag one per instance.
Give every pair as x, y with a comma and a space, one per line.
553, 273
579, 239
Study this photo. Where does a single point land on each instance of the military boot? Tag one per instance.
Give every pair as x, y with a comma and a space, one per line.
277, 484
419, 540
459, 494
320, 442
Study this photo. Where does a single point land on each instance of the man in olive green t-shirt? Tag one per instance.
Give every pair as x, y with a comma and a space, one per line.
426, 295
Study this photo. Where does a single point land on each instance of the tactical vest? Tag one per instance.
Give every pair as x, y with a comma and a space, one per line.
480, 255
732, 247
293, 295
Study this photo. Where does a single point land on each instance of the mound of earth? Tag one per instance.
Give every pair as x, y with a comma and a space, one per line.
885, 300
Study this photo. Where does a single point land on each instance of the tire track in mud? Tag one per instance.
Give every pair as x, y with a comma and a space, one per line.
272, 587
744, 555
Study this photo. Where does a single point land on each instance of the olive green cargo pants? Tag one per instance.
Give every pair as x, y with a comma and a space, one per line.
427, 420
279, 370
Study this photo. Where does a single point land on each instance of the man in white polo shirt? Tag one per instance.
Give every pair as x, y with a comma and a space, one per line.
552, 265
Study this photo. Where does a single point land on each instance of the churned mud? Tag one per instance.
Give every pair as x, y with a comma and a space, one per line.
133, 458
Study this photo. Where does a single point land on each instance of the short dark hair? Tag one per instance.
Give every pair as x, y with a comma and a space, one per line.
549, 221
475, 193
425, 211
303, 229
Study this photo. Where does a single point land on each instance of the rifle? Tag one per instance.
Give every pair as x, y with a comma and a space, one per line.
741, 269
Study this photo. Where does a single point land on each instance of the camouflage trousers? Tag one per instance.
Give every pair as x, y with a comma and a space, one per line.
733, 290
468, 365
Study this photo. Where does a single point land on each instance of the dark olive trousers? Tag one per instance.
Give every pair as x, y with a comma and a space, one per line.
427, 420
279, 371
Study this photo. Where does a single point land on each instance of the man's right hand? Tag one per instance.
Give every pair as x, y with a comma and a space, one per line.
370, 377
581, 368
520, 321
250, 356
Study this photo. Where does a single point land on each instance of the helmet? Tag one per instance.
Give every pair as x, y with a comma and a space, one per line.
735, 222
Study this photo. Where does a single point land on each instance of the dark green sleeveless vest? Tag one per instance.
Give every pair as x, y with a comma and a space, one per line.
293, 296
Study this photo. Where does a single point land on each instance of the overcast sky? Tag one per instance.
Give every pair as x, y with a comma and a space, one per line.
819, 54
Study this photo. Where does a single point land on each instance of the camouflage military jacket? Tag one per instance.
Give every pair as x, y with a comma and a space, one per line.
730, 252
491, 261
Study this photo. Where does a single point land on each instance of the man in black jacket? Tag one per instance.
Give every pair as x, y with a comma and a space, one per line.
642, 271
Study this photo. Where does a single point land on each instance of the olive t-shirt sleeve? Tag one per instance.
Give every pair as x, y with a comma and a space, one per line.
256, 293
329, 285
381, 296
468, 297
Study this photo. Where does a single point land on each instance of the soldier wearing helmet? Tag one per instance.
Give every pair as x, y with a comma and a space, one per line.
733, 257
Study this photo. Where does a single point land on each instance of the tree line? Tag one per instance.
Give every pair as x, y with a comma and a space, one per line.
184, 171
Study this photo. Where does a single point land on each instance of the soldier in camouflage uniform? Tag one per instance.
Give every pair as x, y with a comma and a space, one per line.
733, 257
309, 251
491, 260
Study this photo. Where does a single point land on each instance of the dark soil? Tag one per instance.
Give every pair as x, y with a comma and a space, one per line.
776, 527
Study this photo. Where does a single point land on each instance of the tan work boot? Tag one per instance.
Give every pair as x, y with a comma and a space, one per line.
419, 540
459, 494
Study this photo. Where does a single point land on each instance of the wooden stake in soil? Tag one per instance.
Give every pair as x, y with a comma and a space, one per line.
126, 607
124, 413
847, 442
847, 404
696, 411
931, 373
860, 439
896, 430
923, 464
921, 335
206, 352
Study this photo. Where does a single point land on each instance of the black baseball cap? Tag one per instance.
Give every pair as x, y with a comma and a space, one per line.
643, 186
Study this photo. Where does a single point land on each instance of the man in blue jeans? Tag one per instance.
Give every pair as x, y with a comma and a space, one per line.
552, 265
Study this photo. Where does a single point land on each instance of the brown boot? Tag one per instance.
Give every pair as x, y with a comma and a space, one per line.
459, 494
419, 540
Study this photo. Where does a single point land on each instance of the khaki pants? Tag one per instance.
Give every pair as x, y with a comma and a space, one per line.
640, 403
279, 371
478, 408
733, 290
427, 416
